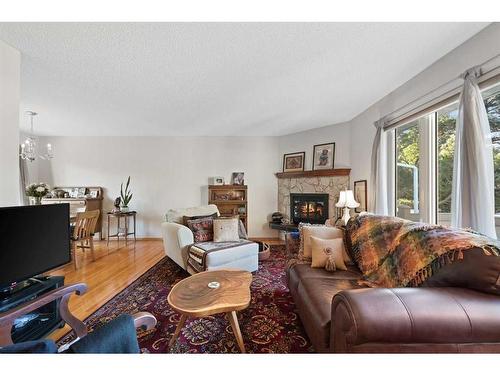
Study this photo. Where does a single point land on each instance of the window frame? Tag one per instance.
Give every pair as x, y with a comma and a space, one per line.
428, 146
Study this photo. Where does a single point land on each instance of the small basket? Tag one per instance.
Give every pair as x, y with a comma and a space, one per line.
264, 250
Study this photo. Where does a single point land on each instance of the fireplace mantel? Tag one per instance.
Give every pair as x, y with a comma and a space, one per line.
318, 173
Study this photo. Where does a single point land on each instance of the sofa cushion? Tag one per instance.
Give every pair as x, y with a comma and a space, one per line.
304, 271
314, 301
476, 271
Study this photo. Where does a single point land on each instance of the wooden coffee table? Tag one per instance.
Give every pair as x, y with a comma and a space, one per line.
192, 297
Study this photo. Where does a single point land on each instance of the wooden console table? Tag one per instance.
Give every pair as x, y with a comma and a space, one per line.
84, 203
126, 232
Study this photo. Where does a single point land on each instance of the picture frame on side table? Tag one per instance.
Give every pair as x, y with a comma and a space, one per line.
217, 180
361, 195
294, 162
324, 156
238, 178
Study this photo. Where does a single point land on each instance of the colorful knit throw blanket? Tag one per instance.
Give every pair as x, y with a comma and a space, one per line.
392, 252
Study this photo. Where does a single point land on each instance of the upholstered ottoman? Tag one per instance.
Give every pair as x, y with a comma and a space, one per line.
209, 256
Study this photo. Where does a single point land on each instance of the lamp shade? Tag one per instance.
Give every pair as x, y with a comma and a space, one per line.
342, 200
350, 201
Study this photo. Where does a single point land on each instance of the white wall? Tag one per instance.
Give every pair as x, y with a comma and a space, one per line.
475, 51
10, 63
305, 141
168, 172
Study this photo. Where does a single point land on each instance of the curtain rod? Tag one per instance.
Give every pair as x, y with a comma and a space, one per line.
482, 73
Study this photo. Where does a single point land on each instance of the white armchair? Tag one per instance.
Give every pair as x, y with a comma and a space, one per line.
177, 237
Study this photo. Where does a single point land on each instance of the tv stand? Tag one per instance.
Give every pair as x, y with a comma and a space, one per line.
41, 322
6, 293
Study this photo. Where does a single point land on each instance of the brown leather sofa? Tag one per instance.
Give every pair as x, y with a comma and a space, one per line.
340, 316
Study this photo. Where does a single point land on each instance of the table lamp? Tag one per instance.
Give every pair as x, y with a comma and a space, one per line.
346, 201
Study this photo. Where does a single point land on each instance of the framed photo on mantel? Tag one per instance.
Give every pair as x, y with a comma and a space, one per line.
294, 162
324, 156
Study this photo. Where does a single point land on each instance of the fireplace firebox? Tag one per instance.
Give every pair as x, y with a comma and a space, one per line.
308, 208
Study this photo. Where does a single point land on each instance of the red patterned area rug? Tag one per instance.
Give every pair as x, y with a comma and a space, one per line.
269, 325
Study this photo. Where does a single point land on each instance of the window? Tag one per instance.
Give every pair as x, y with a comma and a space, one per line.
492, 104
446, 127
407, 171
423, 167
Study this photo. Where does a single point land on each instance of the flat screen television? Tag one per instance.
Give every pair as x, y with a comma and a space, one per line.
33, 240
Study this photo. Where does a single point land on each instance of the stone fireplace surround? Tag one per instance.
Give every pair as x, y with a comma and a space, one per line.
331, 185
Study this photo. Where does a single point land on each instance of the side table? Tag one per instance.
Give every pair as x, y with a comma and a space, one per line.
125, 233
287, 228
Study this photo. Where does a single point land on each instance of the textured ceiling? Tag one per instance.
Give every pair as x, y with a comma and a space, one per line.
216, 78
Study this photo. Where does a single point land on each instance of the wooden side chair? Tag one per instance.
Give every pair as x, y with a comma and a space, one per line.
116, 336
83, 232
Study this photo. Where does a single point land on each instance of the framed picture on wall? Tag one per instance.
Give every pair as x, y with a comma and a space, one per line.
324, 156
361, 195
294, 162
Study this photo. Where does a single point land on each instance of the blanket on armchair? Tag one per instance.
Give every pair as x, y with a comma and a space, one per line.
393, 252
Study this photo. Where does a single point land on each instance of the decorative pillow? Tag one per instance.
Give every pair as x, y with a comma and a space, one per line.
301, 227
323, 232
186, 218
226, 230
202, 229
327, 253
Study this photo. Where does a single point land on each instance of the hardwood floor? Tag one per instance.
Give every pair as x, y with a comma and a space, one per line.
110, 274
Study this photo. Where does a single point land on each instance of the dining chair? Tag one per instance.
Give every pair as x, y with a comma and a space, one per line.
83, 232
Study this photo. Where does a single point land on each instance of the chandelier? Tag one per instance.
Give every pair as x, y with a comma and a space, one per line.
29, 147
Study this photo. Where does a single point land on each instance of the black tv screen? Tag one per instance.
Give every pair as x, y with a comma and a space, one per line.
33, 240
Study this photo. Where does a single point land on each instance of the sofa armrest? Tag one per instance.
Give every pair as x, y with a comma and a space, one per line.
376, 318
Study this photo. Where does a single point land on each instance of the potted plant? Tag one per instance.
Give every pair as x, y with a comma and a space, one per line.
126, 195
36, 192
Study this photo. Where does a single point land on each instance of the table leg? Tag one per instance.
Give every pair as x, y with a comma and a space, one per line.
135, 239
126, 230
177, 330
118, 232
233, 319
108, 234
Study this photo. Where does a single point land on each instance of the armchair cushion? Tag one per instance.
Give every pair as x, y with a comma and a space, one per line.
177, 215
31, 347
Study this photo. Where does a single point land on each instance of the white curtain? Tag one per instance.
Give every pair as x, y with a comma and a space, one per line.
379, 172
473, 196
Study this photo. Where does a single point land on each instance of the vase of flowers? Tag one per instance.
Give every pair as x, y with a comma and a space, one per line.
36, 192
126, 195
